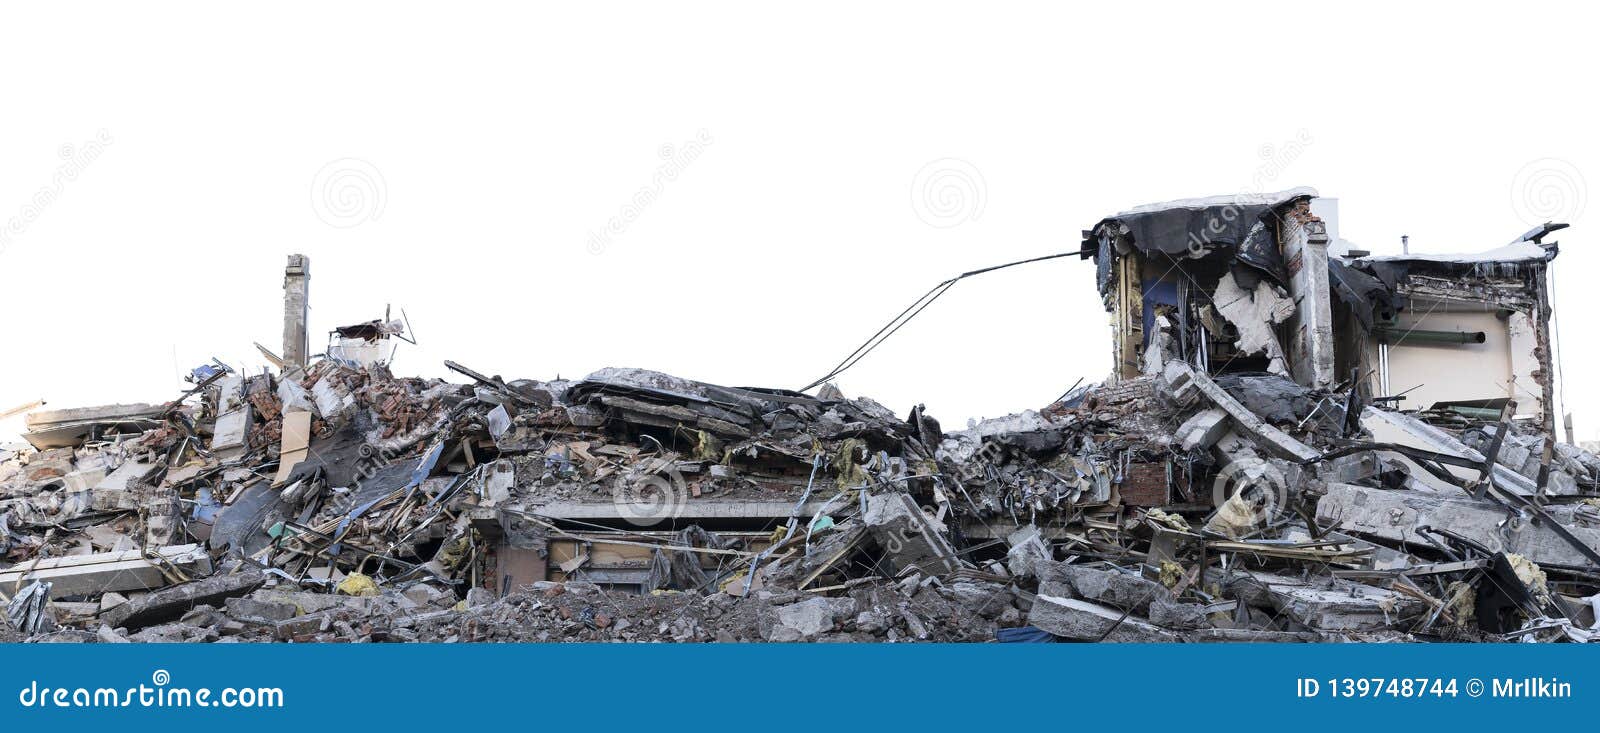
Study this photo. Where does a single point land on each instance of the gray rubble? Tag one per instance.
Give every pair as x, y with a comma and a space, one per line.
1224, 484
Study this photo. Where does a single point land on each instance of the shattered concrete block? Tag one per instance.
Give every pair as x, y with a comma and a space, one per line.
307, 602
987, 600
479, 597
499, 479
806, 620
1245, 421
426, 595
1393, 427
1170, 614
1203, 429
1070, 618
231, 432
302, 625
1329, 604
1396, 515
127, 570
908, 536
256, 611
1125, 591
1177, 383
1027, 549
111, 600
173, 602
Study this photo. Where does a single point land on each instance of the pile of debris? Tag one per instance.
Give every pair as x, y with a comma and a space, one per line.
1184, 499
339, 501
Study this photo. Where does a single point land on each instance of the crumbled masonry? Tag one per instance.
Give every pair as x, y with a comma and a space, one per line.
1250, 471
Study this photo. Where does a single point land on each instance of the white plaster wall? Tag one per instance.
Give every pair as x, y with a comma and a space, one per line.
1454, 371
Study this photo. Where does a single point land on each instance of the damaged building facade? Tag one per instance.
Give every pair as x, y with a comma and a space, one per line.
1274, 457
1248, 284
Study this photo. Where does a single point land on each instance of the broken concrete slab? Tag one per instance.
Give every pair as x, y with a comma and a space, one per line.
1392, 427
251, 610
78, 575
910, 537
70, 427
1330, 604
231, 432
170, 603
1396, 516
1070, 618
1171, 614
1181, 380
806, 620
1203, 429
1124, 590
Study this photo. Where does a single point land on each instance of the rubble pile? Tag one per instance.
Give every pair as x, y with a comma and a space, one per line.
1221, 485
397, 511
341, 502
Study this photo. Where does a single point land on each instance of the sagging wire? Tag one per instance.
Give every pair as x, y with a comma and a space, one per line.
911, 311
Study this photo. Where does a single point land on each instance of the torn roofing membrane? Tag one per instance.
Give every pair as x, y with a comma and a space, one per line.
1195, 227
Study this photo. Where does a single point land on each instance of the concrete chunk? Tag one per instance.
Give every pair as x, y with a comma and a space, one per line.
170, 603
1396, 515
86, 575
1084, 621
1112, 587
1203, 429
1183, 378
1330, 604
256, 611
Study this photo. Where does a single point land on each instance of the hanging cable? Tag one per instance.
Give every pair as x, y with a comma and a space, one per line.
911, 312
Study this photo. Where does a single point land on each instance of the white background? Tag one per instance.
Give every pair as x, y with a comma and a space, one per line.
499, 138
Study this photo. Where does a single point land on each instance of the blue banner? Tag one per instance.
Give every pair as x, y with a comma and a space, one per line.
938, 687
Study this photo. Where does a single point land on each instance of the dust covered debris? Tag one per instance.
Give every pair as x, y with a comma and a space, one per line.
1248, 472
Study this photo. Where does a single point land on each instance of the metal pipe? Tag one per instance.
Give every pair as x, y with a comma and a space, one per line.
1485, 414
1398, 336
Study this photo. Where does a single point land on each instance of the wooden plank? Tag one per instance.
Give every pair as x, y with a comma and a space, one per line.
295, 446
